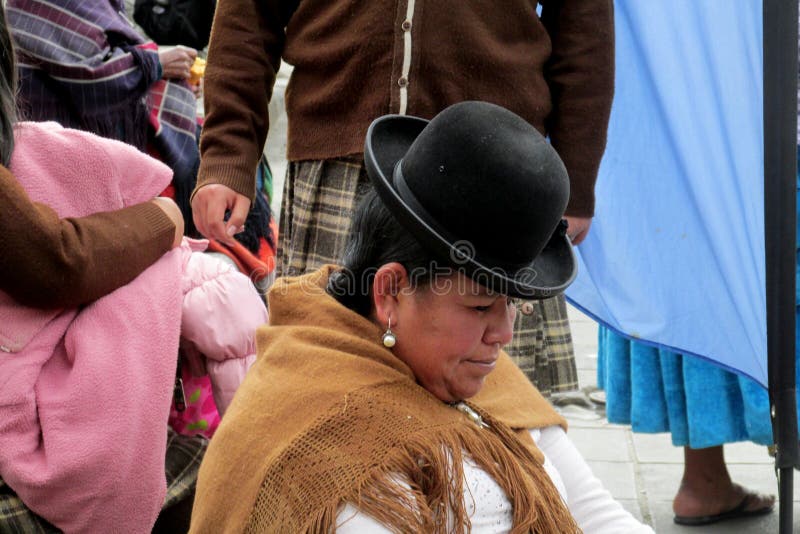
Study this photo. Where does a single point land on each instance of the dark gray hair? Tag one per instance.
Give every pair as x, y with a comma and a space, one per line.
376, 238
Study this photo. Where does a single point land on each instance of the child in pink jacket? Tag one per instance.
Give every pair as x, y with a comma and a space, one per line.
85, 393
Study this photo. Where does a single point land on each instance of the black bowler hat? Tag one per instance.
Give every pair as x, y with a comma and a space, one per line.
482, 190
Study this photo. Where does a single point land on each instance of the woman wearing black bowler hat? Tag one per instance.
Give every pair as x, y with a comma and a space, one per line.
381, 399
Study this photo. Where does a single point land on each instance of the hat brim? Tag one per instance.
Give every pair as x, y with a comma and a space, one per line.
551, 272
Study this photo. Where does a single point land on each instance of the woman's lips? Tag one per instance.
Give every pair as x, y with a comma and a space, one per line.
487, 364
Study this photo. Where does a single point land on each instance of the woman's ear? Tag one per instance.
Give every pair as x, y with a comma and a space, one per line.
390, 280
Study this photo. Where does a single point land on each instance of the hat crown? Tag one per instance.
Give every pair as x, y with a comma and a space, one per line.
481, 190
490, 181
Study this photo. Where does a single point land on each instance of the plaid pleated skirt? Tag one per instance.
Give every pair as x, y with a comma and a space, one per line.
181, 465
319, 198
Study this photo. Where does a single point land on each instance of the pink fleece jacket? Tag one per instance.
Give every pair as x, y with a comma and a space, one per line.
85, 393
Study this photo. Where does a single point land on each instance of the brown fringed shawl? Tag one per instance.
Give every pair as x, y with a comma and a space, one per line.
327, 415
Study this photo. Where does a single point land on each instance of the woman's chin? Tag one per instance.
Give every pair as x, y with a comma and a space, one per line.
468, 389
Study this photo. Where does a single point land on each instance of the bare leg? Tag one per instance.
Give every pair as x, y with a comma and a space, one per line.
707, 488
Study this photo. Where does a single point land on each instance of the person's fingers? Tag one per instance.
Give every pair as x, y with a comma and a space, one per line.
177, 62
200, 210
215, 219
576, 240
190, 52
209, 205
578, 228
239, 211
183, 68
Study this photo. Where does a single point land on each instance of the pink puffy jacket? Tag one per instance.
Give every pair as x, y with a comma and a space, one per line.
221, 311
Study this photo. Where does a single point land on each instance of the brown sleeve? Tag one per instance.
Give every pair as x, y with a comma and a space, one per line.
48, 262
580, 74
247, 41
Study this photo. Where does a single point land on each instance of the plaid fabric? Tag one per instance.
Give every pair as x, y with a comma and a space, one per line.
82, 65
16, 518
318, 202
542, 345
173, 129
106, 82
184, 454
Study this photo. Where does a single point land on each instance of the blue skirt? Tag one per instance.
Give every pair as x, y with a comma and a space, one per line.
700, 404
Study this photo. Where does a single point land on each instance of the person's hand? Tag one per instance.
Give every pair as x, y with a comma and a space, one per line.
578, 228
176, 62
172, 211
209, 205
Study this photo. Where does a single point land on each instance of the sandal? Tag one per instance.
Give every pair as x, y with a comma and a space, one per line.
738, 511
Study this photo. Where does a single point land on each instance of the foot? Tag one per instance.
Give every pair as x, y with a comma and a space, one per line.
689, 503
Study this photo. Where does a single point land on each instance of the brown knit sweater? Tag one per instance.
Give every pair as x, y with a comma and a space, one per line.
49, 262
355, 61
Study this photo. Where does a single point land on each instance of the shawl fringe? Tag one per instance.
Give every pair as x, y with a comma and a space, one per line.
436, 501
419, 485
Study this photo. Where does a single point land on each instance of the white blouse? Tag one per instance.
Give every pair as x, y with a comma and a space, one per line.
490, 511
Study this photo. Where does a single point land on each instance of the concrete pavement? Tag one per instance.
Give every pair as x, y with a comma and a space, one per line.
643, 471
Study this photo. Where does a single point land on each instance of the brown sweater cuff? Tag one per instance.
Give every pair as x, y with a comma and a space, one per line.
581, 205
237, 175
157, 222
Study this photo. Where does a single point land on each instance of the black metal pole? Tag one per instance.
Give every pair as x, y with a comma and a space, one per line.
780, 190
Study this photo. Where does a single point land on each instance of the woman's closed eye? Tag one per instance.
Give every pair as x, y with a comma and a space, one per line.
510, 302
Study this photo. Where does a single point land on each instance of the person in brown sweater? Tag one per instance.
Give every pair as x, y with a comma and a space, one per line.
49, 262
355, 62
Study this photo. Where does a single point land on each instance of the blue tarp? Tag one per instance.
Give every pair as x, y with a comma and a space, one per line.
675, 255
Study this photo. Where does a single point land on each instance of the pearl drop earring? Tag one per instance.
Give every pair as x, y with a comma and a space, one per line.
389, 338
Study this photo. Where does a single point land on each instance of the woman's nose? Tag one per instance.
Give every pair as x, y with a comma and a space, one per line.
501, 327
